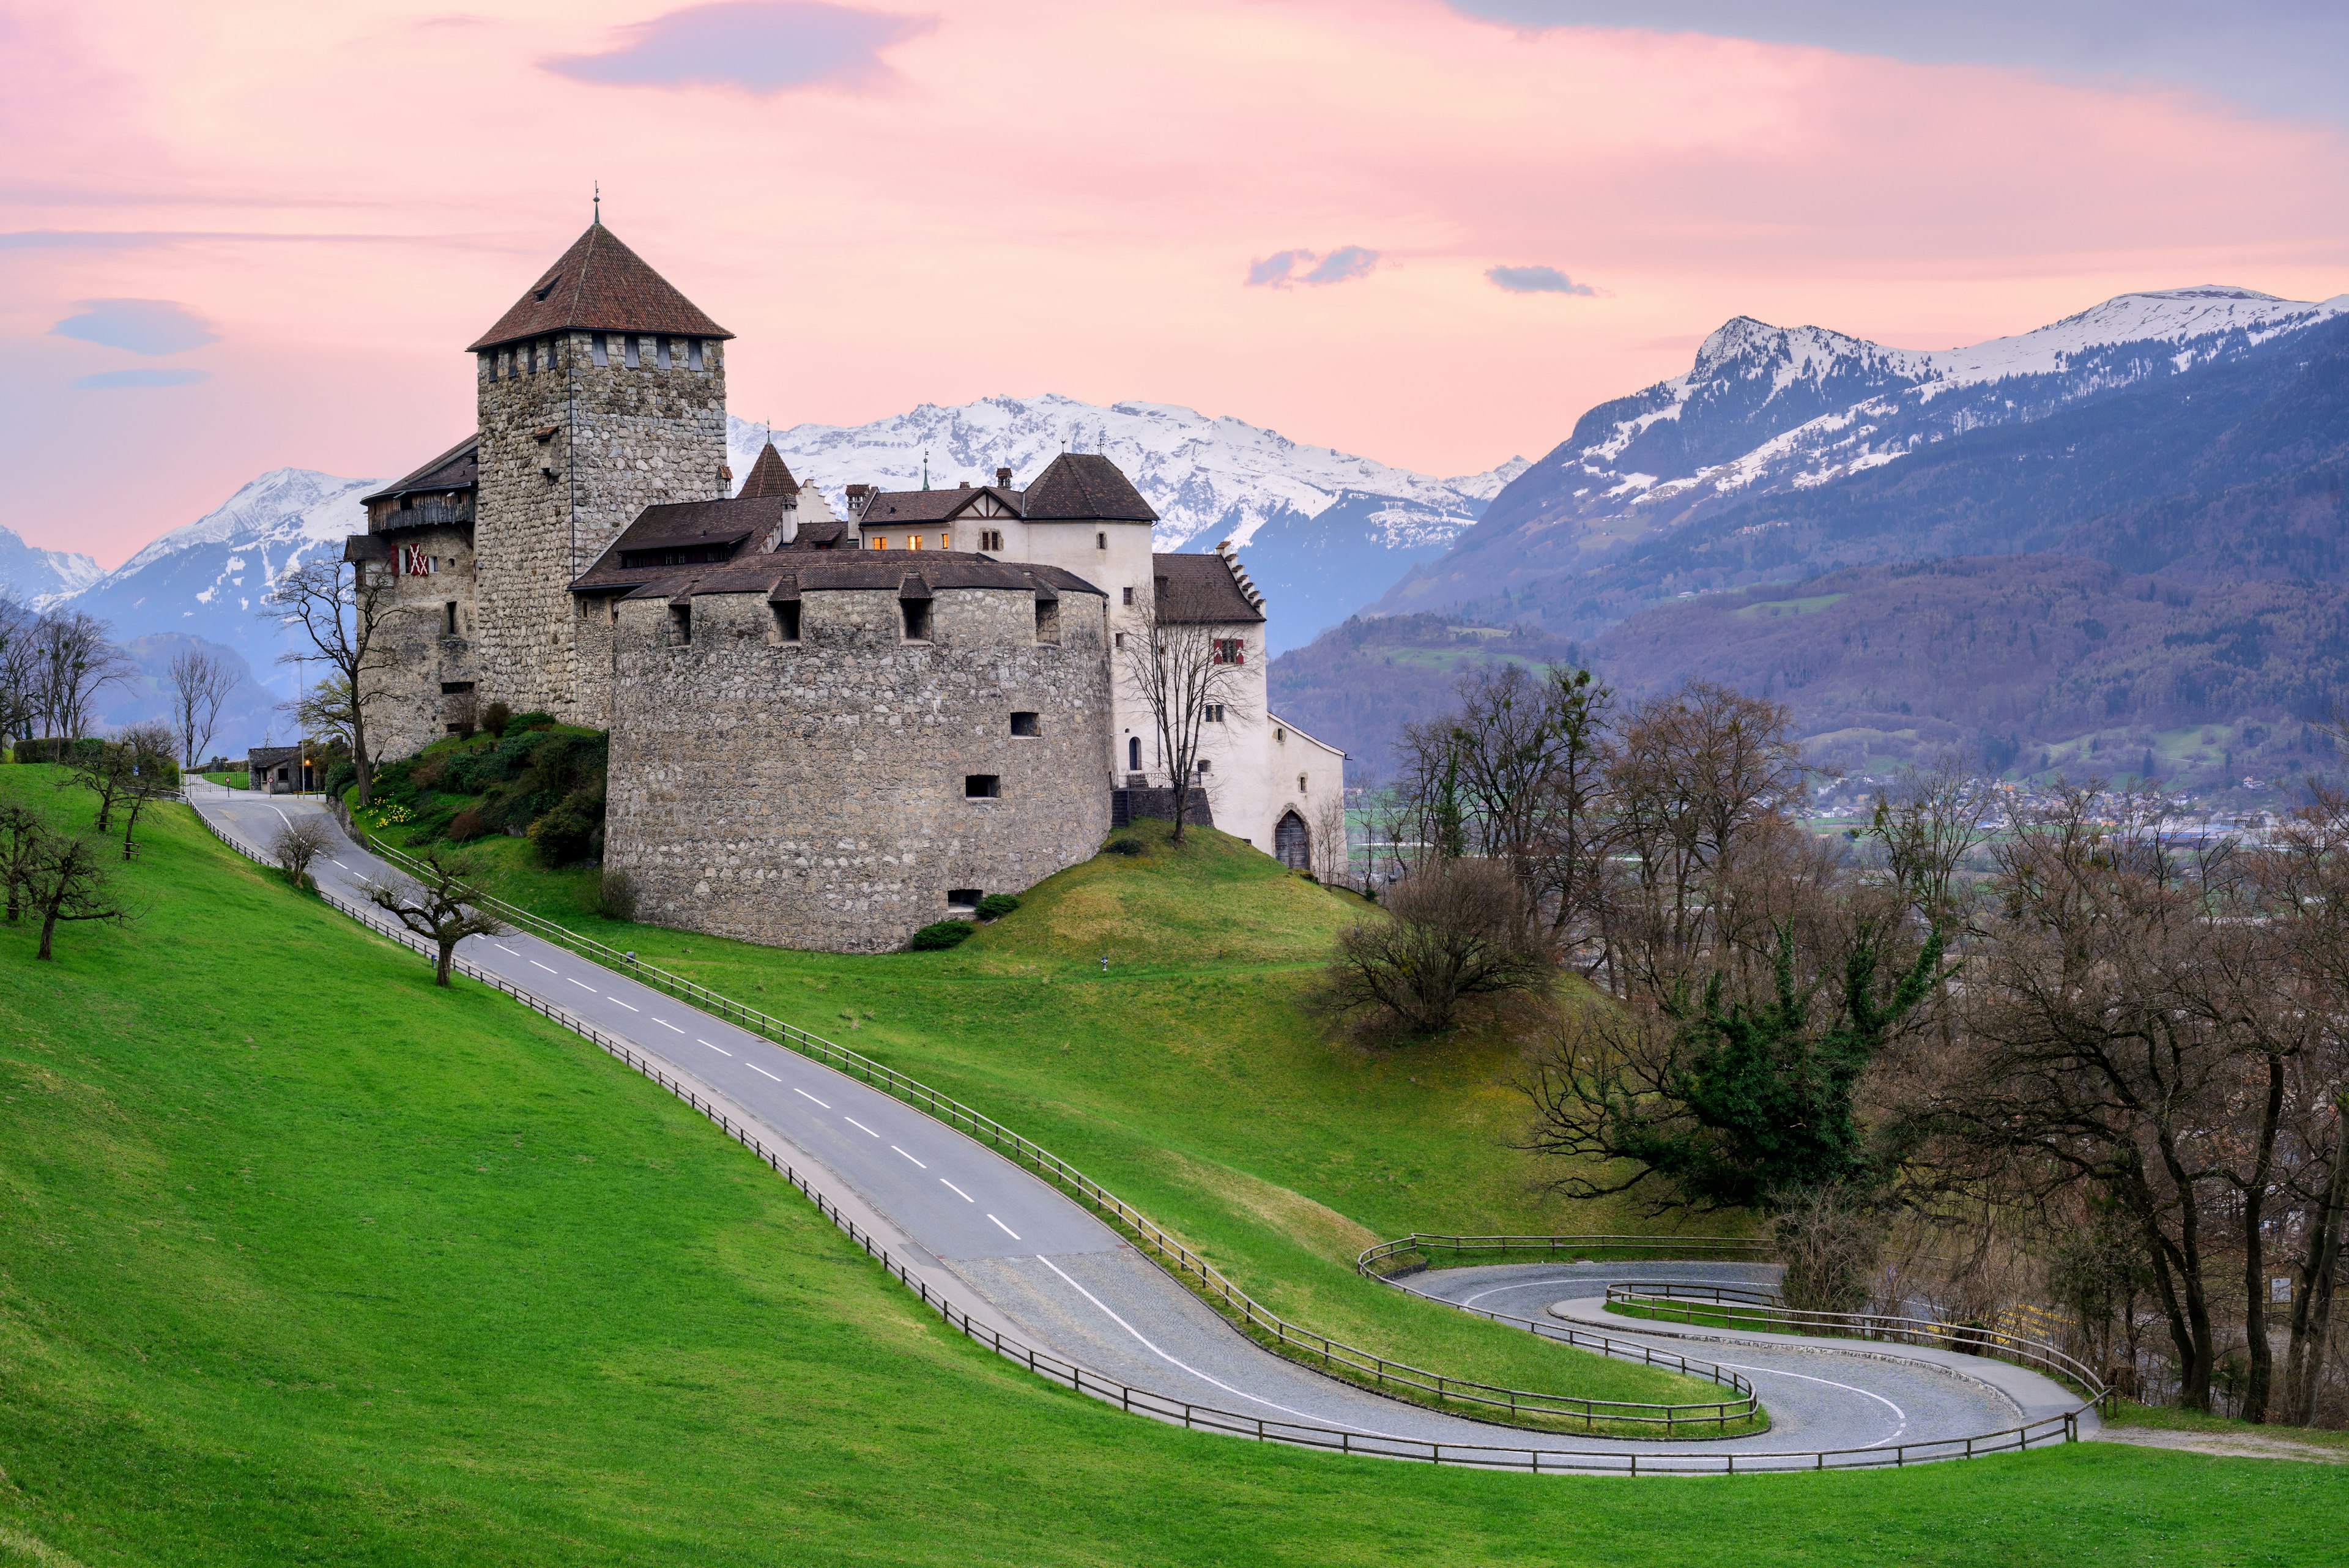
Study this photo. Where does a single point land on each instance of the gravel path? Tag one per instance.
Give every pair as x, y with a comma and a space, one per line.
1005, 1243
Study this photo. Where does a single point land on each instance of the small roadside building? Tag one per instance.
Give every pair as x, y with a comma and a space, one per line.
280, 770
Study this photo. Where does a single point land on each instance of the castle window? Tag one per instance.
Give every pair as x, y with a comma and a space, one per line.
660, 347
1100, 541
628, 358
599, 349
918, 619
1215, 712
1230, 650
1121, 639
1133, 753
1300, 783
962, 899
1047, 620
681, 624
1026, 724
982, 786
529, 358
1205, 764
990, 539
1281, 735
490, 367
1129, 599
693, 354
448, 622
787, 620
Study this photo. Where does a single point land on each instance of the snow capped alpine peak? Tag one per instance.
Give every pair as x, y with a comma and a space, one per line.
283, 506
1209, 477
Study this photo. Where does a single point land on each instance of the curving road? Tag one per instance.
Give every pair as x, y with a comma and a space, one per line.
1031, 1261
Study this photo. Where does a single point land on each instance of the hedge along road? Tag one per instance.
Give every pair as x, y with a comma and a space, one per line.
1009, 1245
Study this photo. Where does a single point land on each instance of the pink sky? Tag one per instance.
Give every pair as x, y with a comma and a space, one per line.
1022, 196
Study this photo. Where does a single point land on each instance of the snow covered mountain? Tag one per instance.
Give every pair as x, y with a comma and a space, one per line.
1323, 531
1770, 409
207, 579
35, 577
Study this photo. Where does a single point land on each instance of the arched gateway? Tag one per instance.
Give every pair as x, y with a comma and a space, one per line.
1292, 842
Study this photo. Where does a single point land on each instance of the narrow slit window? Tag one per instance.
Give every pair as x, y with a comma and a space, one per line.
629, 356
681, 624
693, 354
1048, 622
449, 618
787, 620
918, 619
599, 349
1100, 541
660, 348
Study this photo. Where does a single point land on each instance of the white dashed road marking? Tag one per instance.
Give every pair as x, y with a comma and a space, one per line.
721, 1050
755, 1068
580, 983
860, 1127
1005, 1229
957, 1192
548, 967
909, 1157
803, 1094
609, 997
665, 1023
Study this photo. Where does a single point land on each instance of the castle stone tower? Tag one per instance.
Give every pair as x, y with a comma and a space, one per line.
601, 392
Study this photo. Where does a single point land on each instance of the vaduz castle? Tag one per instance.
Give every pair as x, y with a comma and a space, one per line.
826, 731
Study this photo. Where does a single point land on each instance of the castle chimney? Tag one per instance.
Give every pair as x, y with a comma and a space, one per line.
1003, 477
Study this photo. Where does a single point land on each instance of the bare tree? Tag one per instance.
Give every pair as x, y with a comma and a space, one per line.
433, 906
301, 841
1331, 860
72, 662
19, 686
153, 774
201, 681
1180, 664
2090, 1063
68, 882
21, 831
1455, 930
108, 770
351, 624
1927, 825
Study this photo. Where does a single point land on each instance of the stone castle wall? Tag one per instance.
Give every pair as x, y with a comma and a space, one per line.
813, 794
410, 701
622, 438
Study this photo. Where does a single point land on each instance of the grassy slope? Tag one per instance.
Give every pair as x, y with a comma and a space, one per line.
1189, 1080
408, 1277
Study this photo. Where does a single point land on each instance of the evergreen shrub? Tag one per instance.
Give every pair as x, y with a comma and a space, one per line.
943, 934
995, 906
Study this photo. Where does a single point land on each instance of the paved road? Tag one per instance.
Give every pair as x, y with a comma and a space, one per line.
1003, 1242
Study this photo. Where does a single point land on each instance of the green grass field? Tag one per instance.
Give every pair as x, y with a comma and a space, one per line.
304, 1261
1189, 1079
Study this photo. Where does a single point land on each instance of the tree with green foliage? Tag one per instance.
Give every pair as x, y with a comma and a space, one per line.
1714, 1101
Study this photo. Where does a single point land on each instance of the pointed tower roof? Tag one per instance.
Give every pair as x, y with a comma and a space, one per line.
601, 284
768, 476
1084, 485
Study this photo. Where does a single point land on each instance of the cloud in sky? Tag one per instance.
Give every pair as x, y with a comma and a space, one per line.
763, 45
106, 380
141, 325
2267, 54
1282, 269
1536, 280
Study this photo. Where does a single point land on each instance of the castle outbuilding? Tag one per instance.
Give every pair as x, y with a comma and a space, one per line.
826, 730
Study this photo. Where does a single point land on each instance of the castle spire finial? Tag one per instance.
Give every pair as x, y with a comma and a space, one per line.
926, 471
598, 187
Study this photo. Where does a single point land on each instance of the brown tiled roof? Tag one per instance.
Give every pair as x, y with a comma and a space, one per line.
1084, 487
459, 468
744, 522
603, 285
888, 572
768, 476
890, 507
366, 548
1200, 590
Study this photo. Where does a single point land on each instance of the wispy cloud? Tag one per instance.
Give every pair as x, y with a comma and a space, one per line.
109, 380
1284, 268
762, 46
1536, 280
141, 325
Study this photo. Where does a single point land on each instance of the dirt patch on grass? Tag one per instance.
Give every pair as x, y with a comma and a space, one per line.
2227, 1445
